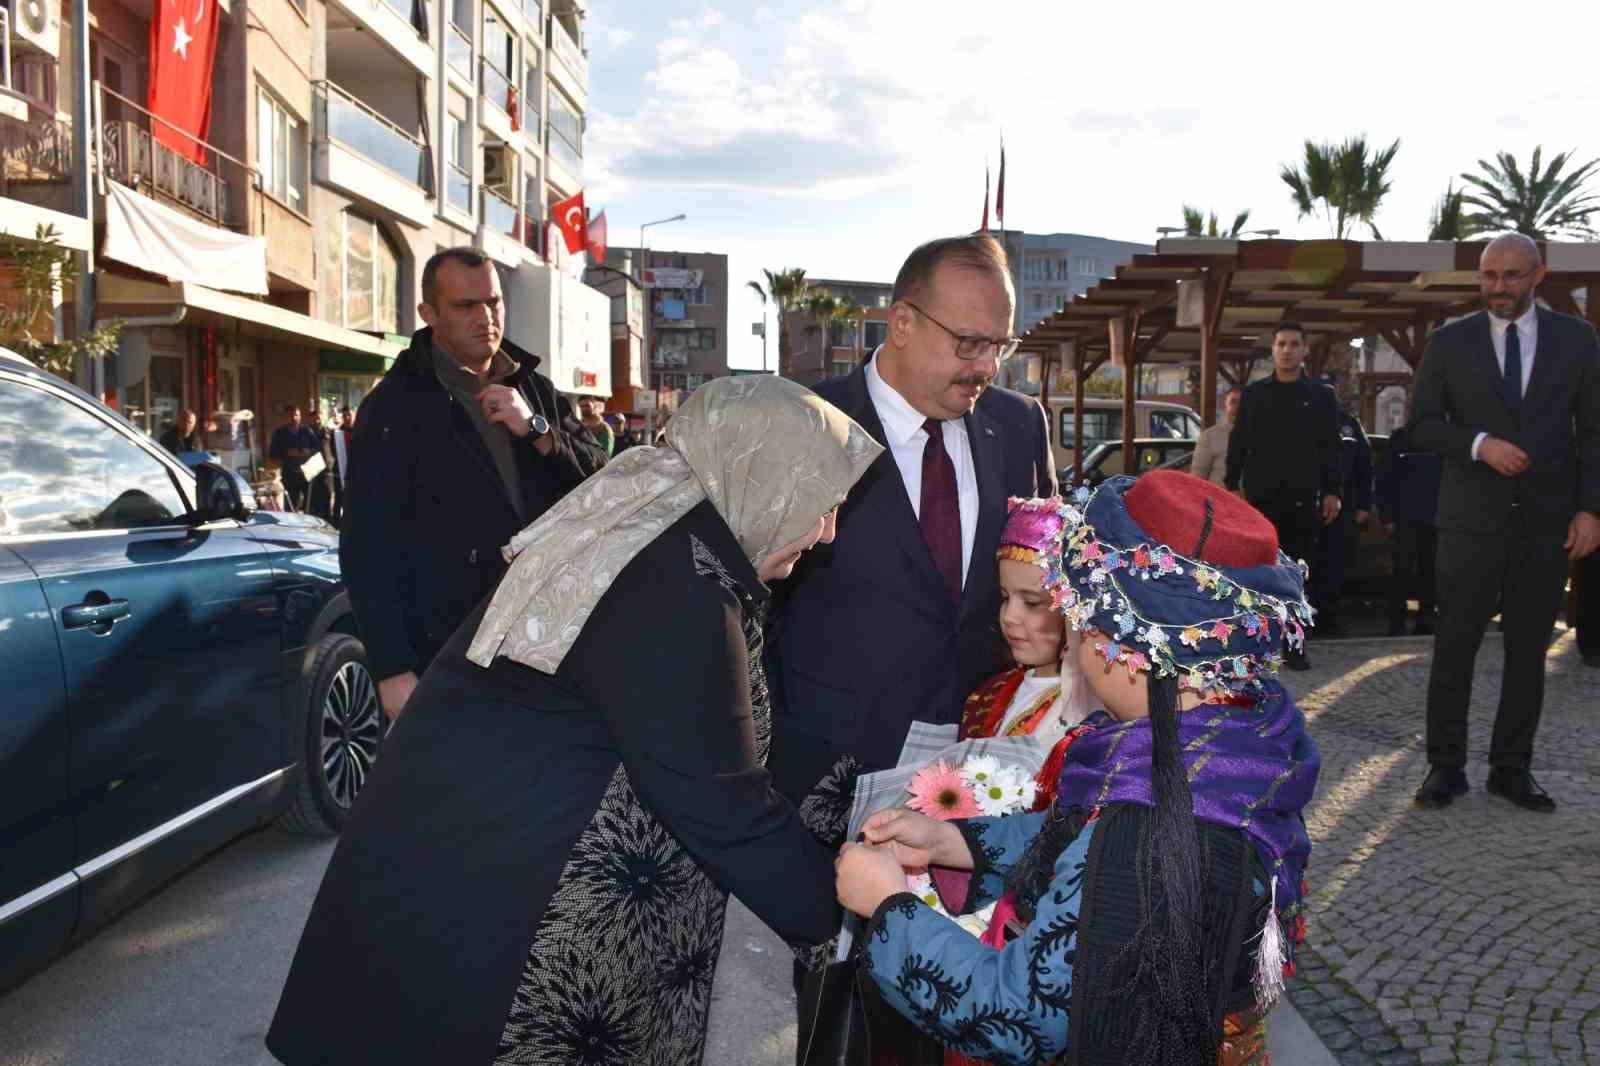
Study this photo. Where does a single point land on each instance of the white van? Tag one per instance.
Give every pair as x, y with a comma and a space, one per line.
1102, 422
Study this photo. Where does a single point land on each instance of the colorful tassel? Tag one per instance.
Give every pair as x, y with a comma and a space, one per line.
1270, 957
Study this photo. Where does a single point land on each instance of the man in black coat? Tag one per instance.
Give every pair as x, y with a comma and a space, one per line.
1511, 400
1285, 448
896, 620
1408, 507
459, 447
183, 436
1339, 541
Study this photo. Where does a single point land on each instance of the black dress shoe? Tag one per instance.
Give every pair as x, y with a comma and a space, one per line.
1298, 660
1442, 785
1520, 788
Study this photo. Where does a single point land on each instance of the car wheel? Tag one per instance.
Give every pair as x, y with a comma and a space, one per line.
340, 727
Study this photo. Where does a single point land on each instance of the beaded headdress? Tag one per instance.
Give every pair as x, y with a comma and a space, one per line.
1033, 527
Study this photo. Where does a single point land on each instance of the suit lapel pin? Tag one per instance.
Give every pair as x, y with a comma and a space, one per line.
988, 431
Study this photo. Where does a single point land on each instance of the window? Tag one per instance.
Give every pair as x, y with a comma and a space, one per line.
363, 288
531, 84
1098, 427
1086, 264
499, 46
458, 37
63, 469
280, 151
1174, 424
565, 142
842, 369
457, 137
35, 77
708, 340
874, 334
699, 297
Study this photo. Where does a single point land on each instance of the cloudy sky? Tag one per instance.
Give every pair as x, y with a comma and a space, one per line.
836, 134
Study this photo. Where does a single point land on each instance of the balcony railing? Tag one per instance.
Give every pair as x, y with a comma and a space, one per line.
215, 189
458, 187
533, 12
500, 214
496, 87
564, 151
530, 232
400, 7
530, 109
359, 128
567, 50
35, 153
458, 49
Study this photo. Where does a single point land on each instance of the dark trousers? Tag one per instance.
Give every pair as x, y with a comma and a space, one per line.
1336, 543
1296, 521
295, 489
1415, 549
1589, 605
1523, 570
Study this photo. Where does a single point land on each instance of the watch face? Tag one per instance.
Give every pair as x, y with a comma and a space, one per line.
540, 426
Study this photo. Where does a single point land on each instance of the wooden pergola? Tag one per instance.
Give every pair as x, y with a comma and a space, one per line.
1214, 303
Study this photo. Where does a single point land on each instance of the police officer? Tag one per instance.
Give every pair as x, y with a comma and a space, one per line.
1285, 447
1337, 542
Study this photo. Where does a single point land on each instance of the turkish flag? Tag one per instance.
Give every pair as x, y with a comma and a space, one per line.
183, 43
596, 244
570, 215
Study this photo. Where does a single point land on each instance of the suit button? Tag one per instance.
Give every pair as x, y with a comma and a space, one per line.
472, 556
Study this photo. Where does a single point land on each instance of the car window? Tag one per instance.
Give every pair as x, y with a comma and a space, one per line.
64, 470
1098, 428
1169, 424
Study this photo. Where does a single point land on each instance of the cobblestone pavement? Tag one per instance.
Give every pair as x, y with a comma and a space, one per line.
1470, 934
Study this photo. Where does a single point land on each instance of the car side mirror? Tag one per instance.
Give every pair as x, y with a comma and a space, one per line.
220, 494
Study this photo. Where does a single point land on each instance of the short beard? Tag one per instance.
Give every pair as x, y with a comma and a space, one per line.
976, 380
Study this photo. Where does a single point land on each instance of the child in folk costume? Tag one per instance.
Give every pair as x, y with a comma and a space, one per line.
1161, 892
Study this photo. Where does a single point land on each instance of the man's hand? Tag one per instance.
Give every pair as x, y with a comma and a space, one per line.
1388, 529
1362, 516
1583, 534
1330, 509
1505, 457
393, 692
865, 876
917, 840
508, 407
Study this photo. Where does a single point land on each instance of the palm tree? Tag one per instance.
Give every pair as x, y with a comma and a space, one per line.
1345, 182
1541, 205
1449, 221
850, 314
786, 289
1196, 223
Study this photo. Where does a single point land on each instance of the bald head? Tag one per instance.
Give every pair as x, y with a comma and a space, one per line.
1509, 273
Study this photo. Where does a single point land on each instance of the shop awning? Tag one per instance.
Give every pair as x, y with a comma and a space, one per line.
129, 297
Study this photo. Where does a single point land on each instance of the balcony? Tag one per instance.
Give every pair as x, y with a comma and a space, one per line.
386, 21
458, 188
530, 111
500, 228
34, 154
564, 162
132, 156
533, 12
368, 157
500, 96
571, 66
458, 49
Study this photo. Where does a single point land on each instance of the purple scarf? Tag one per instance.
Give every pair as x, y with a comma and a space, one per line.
1251, 767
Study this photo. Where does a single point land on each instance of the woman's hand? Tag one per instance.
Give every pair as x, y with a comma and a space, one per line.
866, 876
917, 840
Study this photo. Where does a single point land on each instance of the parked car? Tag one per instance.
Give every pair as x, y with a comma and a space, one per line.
1102, 424
1151, 453
178, 668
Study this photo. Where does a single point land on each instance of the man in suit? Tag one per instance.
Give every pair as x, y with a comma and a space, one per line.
896, 621
1510, 398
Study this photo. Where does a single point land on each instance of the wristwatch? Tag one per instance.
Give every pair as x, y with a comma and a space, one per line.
537, 426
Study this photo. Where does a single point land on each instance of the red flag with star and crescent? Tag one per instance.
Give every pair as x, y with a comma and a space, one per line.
183, 44
570, 215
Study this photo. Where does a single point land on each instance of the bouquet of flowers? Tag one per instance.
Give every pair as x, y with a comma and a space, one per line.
980, 785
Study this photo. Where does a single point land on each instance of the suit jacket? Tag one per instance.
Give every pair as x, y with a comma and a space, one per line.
864, 637
1458, 395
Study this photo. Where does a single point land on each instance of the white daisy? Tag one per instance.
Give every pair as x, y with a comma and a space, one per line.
979, 770
1018, 786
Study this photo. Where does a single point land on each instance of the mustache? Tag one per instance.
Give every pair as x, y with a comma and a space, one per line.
979, 380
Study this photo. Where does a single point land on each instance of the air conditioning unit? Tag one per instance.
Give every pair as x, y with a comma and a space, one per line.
499, 166
35, 24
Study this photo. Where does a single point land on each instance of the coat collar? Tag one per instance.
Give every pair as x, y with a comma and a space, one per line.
418, 358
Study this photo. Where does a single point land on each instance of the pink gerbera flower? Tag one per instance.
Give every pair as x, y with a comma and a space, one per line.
940, 792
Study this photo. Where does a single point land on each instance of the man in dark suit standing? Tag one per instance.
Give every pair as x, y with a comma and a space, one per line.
1511, 400
896, 620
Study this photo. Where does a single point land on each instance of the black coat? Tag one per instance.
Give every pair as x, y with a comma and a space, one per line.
865, 639
1285, 441
417, 940
426, 513
1408, 482
1458, 395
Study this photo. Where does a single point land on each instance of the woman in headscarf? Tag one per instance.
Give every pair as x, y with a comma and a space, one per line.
538, 869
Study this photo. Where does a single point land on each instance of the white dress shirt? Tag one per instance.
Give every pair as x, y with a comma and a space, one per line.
902, 425
1527, 344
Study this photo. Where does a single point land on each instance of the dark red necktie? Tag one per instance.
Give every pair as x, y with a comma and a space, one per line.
940, 515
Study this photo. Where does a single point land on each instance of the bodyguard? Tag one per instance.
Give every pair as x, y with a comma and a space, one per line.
459, 447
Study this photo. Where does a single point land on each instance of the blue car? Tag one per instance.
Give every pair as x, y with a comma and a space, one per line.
175, 667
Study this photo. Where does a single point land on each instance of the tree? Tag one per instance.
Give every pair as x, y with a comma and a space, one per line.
850, 313
1197, 223
1346, 183
1542, 204
1449, 222
787, 290
39, 269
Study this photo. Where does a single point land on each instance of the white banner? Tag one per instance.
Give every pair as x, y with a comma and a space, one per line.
165, 241
672, 278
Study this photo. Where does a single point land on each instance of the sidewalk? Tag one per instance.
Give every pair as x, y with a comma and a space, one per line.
1465, 935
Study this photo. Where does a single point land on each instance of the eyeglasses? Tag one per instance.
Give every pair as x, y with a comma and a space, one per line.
968, 347
1510, 277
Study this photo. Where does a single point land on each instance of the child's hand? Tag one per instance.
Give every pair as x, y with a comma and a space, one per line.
866, 876
917, 840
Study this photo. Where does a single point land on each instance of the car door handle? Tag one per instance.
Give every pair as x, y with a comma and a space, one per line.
98, 612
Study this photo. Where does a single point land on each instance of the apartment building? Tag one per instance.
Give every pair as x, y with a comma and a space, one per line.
686, 296
823, 349
349, 140
1049, 269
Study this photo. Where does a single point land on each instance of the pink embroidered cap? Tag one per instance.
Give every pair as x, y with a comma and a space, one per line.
1033, 528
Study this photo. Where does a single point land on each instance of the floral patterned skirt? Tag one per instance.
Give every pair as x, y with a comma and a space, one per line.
1244, 1043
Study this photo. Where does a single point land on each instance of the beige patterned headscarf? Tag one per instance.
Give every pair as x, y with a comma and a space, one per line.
770, 455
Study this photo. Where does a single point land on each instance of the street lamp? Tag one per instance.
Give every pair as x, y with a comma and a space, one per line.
1164, 231
1268, 233
649, 312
